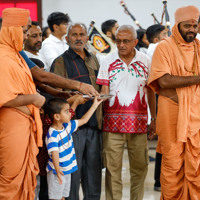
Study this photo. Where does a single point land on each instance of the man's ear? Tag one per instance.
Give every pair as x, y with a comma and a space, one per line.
136, 41
55, 27
155, 40
67, 39
109, 34
87, 39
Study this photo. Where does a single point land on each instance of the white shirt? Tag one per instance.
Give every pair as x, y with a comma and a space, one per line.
30, 55
198, 36
150, 52
151, 49
143, 50
52, 47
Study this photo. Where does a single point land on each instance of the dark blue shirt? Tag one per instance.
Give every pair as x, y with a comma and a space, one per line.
30, 63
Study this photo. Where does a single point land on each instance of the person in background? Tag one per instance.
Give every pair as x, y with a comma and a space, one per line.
155, 34
33, 43
109, 28
55, 44
45, 32
175, 77
143, 43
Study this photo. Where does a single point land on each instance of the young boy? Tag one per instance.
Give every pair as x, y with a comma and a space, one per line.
62, 161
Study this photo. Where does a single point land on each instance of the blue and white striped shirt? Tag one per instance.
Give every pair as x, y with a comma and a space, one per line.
62, 142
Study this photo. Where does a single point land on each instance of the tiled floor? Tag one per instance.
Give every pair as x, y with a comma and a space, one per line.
149, 193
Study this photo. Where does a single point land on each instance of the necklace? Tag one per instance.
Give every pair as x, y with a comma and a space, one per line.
194, 65
64, 145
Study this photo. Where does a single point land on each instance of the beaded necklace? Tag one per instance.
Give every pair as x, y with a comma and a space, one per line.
63, 144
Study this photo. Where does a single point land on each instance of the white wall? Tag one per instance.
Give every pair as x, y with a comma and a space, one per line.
102, 10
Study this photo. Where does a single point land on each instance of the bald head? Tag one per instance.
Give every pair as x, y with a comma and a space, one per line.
128, 28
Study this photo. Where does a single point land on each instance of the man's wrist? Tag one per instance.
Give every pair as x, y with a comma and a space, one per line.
80, 86
153, 119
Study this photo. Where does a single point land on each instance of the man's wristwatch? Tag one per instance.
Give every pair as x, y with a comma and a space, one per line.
153, 119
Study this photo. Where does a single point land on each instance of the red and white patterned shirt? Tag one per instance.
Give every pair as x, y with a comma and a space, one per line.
126, 111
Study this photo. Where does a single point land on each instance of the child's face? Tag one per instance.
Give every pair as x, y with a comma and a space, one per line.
65, 115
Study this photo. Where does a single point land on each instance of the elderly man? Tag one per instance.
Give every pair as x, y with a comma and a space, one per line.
78, 64
175, 76
124, 74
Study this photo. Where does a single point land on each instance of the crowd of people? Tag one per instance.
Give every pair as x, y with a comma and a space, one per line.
67, 112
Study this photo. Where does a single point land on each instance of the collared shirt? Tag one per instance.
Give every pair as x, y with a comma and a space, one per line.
71, 65
126, 111
52, 47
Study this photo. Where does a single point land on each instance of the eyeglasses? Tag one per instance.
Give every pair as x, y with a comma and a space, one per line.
125, 41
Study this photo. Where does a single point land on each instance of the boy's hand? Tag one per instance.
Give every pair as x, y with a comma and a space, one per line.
96, 102
77, 98
59, 175
80, 99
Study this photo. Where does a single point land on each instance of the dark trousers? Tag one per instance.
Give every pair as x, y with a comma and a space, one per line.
87, 144
43, 194
157, 167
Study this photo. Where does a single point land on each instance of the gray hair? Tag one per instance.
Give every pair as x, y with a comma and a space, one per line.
127, 28
76, 24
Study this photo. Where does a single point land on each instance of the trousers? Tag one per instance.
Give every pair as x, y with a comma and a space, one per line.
87, 144
113, 148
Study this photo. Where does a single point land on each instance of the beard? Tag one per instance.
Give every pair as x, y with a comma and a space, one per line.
186, 36
189, 38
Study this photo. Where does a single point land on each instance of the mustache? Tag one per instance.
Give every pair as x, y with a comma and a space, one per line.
78, 41
191, 33
38, 43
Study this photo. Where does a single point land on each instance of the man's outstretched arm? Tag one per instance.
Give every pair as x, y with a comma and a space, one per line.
60, 82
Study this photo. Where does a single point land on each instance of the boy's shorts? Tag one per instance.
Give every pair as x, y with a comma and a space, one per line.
56, 190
